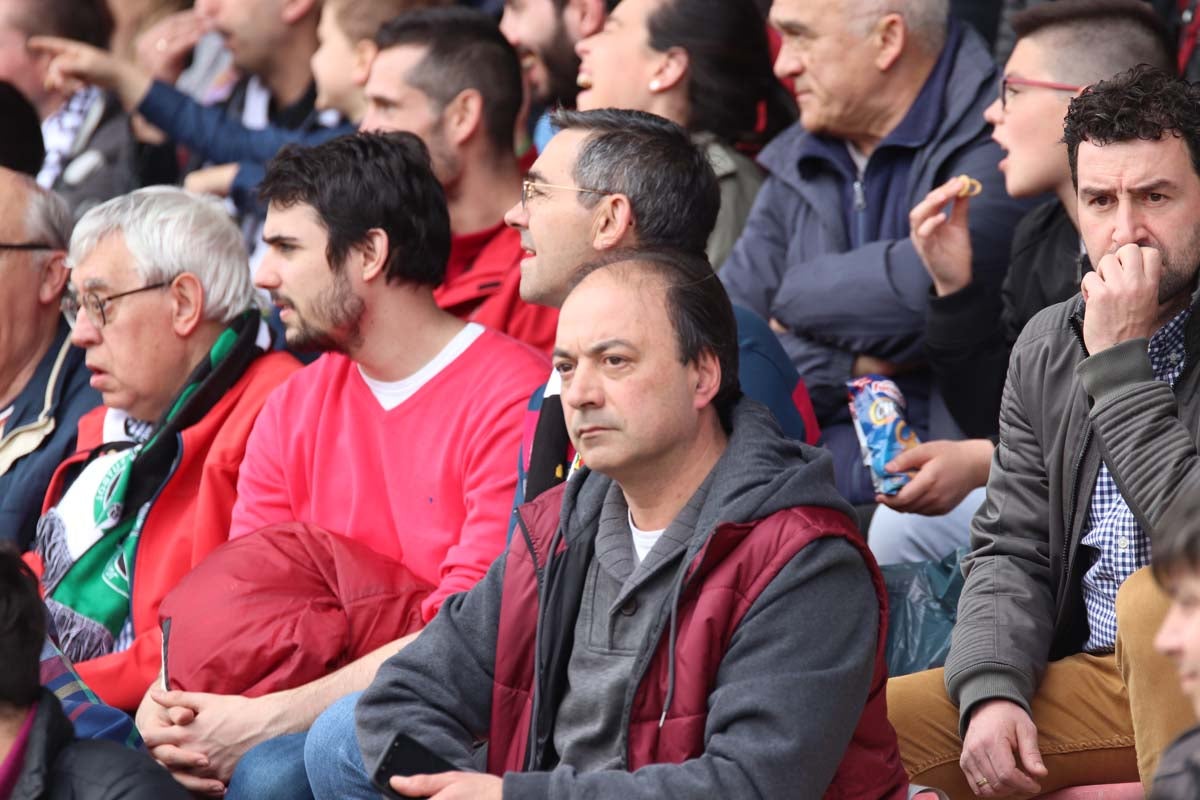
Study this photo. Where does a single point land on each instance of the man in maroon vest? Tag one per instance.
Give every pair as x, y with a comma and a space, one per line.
692, 612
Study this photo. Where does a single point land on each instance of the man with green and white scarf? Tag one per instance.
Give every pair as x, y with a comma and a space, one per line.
161, 300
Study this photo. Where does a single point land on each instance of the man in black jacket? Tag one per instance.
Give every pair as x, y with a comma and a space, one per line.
39, 754
1062, 47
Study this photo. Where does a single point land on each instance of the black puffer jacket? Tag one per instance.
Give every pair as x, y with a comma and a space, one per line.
60, 767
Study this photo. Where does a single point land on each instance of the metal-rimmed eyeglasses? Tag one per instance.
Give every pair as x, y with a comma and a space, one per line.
527, 187
95, 305
1007, 81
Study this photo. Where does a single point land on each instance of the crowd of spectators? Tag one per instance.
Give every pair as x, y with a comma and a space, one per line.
450, 399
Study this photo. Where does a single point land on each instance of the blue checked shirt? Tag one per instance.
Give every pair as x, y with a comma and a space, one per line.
1121, 546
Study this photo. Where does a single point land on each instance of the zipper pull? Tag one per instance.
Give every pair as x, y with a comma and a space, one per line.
860, 196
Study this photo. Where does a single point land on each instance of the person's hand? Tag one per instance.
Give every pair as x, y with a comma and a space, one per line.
1122, 297
163, 723
216, 180
946, 472
450, 786
163, 48
222, 729
943, 241
870, 365
998, 730
75, 63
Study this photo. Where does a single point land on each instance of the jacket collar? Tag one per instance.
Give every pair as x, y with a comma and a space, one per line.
33, 417
51, 732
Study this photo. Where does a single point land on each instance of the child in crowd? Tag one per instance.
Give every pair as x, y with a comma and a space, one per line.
1176, 565
340, 67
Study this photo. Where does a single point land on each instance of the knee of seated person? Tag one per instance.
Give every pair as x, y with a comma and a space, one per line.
1140, 602
273, 769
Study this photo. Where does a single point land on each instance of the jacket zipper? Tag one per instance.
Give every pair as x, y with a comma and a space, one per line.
1087, 440
860, 212
531, 756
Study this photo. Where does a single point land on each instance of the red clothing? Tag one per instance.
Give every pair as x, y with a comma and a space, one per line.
189, 518
723, 580
483, 280
428, 483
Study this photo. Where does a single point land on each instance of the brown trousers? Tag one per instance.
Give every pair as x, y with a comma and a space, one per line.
1100, 719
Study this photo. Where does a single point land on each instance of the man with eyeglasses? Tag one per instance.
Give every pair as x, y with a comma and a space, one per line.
160, 299
450, 77
43, 381
970, 329
1052, 679
891, 97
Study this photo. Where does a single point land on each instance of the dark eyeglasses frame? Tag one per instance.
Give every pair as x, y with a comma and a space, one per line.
94, 304
1006, 81
26, 246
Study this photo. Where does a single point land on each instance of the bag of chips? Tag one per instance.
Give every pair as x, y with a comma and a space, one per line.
877, 408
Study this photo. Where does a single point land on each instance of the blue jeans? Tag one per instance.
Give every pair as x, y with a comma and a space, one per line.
274, 770
332, 758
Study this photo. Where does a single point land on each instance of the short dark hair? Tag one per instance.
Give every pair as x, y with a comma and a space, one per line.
1177, 537
464, 50
729, 66
652, 161
369, 180
22, 631
1141, 103
1094, 39
21, 146
697, 305
88, 21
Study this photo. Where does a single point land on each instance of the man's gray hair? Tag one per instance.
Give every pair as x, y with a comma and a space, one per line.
48, 218
168, 232
925, 20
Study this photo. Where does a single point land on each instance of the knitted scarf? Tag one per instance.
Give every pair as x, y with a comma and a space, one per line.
88, 543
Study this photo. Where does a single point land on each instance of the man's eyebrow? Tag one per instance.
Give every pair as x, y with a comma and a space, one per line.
1154, 185
789, 26
535, 176
608, 344
280, 238
92, 284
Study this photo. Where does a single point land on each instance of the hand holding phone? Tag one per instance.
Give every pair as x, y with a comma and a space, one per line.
406, 756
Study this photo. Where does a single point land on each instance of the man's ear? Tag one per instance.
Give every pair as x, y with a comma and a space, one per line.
53, 279
292, 11
707, 370
365, 51
187, 304
890, 37
582, 18
372, 255
612, 222
463, 116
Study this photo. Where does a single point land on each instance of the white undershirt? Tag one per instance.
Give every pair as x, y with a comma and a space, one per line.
643, 541
4, 415
392, 394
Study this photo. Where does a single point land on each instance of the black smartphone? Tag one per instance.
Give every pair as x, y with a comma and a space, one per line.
407, 756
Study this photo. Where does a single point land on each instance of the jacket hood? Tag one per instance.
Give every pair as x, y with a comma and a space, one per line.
761, 472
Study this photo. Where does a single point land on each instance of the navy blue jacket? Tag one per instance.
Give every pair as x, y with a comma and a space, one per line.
40, 434
848, 286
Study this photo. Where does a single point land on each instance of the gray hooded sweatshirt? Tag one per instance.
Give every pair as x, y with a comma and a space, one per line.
788, 693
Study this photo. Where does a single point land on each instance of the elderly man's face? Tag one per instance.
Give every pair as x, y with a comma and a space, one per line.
831, 66
137, 362
27, 291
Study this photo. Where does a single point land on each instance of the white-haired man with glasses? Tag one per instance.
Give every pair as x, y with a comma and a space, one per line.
161, 301
43, 382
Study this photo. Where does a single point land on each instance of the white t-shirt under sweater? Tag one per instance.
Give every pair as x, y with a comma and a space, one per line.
643, 541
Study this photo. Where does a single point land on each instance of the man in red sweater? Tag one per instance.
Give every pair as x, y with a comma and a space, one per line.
449, 76
400, 437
